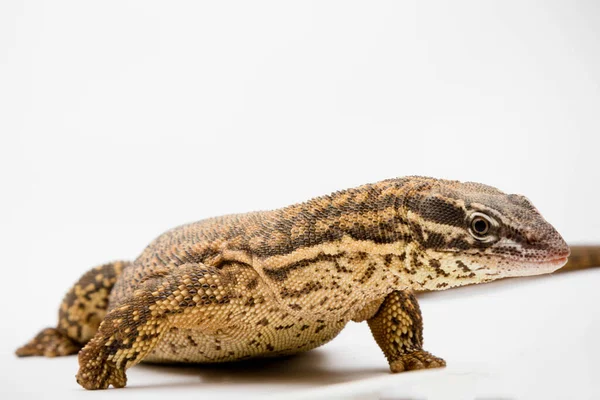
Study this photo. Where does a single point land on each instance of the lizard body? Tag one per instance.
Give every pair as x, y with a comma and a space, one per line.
285, 281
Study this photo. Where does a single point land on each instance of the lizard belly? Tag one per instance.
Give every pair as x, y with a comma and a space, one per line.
283, 337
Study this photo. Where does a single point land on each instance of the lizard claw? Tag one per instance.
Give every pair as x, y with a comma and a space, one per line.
420, 359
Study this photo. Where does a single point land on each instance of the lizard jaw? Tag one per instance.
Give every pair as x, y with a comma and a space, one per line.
519, 268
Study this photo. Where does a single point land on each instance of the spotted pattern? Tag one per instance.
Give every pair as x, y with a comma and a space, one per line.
85, 305
82, 309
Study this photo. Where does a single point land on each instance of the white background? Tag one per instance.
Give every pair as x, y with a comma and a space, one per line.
121, 119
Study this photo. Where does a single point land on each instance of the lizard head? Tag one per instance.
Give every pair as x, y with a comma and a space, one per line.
472, 233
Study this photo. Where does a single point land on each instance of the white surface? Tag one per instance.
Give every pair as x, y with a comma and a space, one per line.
121, 119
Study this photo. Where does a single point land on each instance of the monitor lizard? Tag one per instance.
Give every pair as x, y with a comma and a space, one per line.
286, 281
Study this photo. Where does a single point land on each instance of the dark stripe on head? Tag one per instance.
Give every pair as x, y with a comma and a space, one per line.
438, 210
434, 240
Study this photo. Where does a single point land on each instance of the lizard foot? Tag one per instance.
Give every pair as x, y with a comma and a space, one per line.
102, 376
416, 360
49, 343
95, 372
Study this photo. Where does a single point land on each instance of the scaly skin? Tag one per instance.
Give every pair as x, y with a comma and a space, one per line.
286, 281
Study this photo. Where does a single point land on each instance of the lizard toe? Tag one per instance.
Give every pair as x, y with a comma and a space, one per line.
419, 359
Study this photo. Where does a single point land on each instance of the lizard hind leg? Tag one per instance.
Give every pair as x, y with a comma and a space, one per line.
79, 316
185, 295
50, 342
398, 330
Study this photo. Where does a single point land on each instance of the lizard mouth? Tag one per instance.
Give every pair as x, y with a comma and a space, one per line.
552, 260
534, 267
557, 261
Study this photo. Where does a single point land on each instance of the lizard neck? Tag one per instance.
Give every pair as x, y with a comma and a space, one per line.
356, 236
372, 213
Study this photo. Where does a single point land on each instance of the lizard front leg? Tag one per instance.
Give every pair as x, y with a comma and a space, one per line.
181, 295
398, 330
128, 332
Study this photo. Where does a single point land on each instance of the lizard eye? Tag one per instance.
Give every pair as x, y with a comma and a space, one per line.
480, 226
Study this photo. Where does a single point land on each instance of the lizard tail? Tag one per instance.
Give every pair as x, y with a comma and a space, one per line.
582, 257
